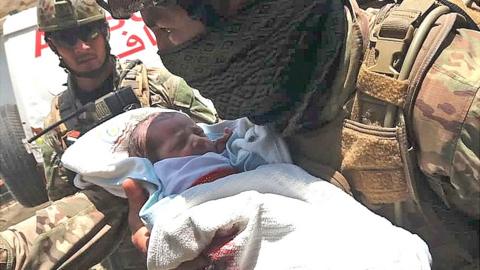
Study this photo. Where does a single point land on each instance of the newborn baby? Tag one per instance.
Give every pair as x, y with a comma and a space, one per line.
184, 156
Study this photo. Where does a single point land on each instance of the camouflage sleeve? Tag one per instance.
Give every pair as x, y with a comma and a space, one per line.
170, 91
446, 122
75, 232
465, 175
58, 179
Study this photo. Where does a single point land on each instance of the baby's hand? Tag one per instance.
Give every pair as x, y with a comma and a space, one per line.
221, 142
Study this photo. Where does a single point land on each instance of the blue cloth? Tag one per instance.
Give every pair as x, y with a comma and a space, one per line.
241, 159
175, 175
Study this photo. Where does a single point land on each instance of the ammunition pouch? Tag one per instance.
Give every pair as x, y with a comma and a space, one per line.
373, 163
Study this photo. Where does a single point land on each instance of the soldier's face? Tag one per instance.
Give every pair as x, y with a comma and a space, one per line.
83, 56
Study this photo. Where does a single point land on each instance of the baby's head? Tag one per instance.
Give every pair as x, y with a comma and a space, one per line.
167, 135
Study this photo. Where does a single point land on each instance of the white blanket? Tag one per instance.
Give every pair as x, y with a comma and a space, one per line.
278, 217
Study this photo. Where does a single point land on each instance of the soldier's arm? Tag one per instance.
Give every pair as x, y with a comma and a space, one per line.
58, 179
447, 124
463, 188
450, 159
170, 91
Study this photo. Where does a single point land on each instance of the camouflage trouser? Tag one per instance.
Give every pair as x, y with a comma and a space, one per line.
75, 232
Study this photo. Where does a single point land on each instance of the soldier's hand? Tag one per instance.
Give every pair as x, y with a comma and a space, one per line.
136, 199
140, 235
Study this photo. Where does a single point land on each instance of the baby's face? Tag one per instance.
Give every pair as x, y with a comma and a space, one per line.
178, 136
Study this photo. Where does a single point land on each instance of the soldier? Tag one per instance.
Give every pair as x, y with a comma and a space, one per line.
77, 31
389, 98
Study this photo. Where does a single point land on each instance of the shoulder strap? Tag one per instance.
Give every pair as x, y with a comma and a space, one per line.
67, 106
384, 74
465, 8
134, 74
53, 138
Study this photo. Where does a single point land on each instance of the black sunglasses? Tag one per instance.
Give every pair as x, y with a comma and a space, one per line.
69, 37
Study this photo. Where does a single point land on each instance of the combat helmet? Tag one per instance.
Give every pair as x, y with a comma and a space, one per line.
55, 15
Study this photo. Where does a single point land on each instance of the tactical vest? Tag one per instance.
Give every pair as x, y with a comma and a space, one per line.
378, 146
379, 151
131, 73
170, 92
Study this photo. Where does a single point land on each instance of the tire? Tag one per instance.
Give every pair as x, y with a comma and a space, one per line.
17, 166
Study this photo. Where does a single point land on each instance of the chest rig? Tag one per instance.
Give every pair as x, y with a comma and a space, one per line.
378, 146
132, 74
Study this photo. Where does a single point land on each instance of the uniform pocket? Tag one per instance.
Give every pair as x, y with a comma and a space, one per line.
372, 163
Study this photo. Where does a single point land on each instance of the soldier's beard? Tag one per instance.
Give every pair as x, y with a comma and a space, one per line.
263, 62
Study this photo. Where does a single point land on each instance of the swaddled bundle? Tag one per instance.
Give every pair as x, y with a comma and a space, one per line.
274, 217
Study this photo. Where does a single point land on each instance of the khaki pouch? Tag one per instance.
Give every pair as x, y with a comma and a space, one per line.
372, 162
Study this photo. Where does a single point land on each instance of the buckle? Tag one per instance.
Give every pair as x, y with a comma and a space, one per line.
392, 39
